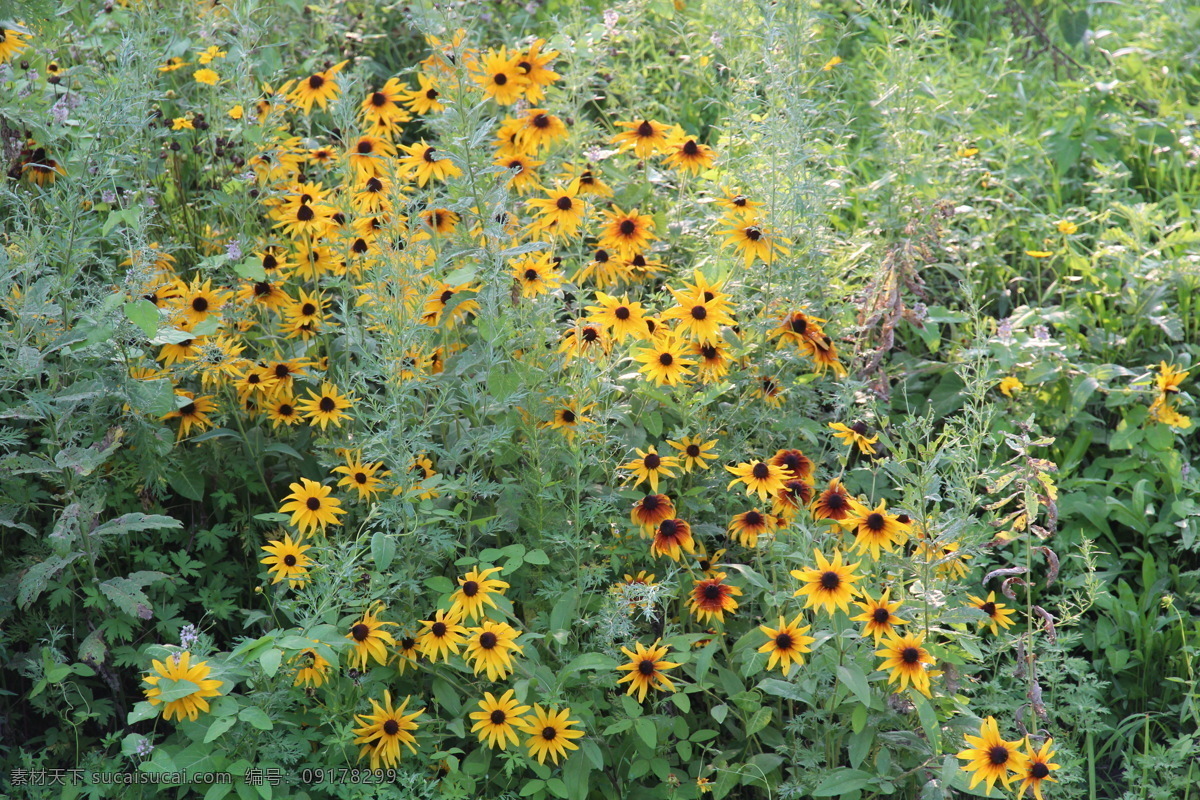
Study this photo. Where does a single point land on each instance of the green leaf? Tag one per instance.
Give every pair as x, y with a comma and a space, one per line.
537, 557
176, 689
856, 681
141, 712
256, 717
590, 661
1073, 25
188, 484
760, 720
682, 702
647, 731
251, 269
929, 721
383, 549
841, 782
218, 727
127, 595
270, 661
136, 522
34, 581
144, 314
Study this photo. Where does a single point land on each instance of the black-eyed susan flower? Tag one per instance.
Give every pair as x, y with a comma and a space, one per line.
537, 130
800, 330
363, 477
178, 667
39, 168
649, 466
671, 537
875, 529
800, 465
1037, 768
311, 506
712, 359
759, 476
745, 528
407, 653
369, 156
560, 211
382, 732
281, 410
605, 270
694, 452
381, 108
369, 637
424, 98
769, 390
584, 339
450, 305
193, 413
622, 317
286, 560
787, 643
426, 162
319, 88
497, 721
645, 137
170, 65
686, 153
752, 239
587, 181
535, 66
522, 177
736, 203
568, 417
828, 585
474, 593
855, 436
499, 76
991, 758
906, 660
998, 614
665, 361
327, 406
626, 233
707, 563
536, 274
490, 647
879, 615
787, 502
947, 558
197, 300
699, 319
712, 597
550, 733
311, 669
441, 636
652, 509
834, 503
646, 669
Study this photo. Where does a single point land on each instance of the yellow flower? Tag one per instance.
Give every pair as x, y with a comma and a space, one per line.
383, 732
1038, 253
991, 758
206, 76
206, 56
645, 668
831, 63
182, 123
287, 561
237, 112
787, 643
1009, 385
310, 505
179, 672
1066, 227
856, 434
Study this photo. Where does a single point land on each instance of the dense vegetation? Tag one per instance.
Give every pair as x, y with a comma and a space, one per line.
657, 400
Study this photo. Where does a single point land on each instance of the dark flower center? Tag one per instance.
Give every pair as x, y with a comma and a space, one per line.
666, 359
541, 121
753, 519
998, 755
365, 147
627, 227
652, 461
391, 727
875, 521
308, 309
316, 82
428, 155
835, 501
438, 629
910, 655
709, 352
881, 615
549, 733
446, 295
830, 580
379, 99
761, 471
799, 324
498, 717
408, 643
638, 261
487, 640
563, 203
646, 667
262, 288
186, 343
531, 274
470, 588
699, 312
568, 415
360, 632
524, 66
621, 312
645, 129
783, 641
289, 560
500, 78
304, 213
200, 304
431, 94
712, 591
740, 200
327, 404
669, 528
590, 334
1038, 770
693, 450
286, 410
360, 477
313, 503
282, 371
188, 410
374, 185
254, 378
989, 609
690, 148
601, 256
860, 428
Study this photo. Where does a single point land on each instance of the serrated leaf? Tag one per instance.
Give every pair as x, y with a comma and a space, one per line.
842, 781
144, 314
136, 522
34, 581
